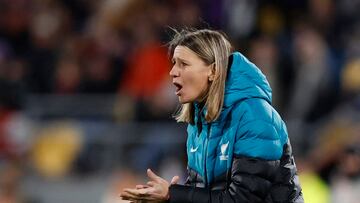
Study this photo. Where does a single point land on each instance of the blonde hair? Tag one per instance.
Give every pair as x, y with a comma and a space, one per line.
212, 47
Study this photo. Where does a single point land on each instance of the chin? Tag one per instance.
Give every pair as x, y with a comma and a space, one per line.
183, 100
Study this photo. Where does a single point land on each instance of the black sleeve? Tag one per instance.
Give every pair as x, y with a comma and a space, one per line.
252, 180
248, 184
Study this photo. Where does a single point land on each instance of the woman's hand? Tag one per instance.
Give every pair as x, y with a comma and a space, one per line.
156, 190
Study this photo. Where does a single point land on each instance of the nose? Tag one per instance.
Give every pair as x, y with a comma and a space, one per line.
174, 72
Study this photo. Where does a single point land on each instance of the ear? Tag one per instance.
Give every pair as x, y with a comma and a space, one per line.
212, 72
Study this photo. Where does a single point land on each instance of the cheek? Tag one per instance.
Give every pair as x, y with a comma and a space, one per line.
196, 85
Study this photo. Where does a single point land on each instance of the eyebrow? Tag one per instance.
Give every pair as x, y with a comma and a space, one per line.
180, 59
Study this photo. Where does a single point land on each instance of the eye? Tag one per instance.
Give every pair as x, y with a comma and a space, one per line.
184, 64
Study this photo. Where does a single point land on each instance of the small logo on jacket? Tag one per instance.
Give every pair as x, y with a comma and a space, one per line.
223, 148
192, 149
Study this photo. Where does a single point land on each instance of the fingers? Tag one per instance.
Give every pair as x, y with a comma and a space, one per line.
141, 186
138, 192
129, 196
138, 195
174, 180
155, 190
151, 183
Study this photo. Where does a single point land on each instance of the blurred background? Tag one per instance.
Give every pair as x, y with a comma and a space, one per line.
86, 102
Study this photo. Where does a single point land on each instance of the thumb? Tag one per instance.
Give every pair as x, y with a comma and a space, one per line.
153, 176
174, 180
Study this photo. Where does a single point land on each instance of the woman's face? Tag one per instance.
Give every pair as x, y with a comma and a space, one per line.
190, 75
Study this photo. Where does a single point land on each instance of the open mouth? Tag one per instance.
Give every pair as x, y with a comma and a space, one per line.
178, 88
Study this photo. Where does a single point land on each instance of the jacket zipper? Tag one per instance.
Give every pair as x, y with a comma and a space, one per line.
206, 144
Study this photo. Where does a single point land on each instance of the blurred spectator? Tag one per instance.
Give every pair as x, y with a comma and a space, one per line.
67, 76
48, 26
350, 79
271, 20
10, 177
264, 53
15, 19
346, 181
239, 17
99, 75
15, 134
6, 148
315, 189
55, 149
187, 13
147, 74
322, 14
313, 93
12, 89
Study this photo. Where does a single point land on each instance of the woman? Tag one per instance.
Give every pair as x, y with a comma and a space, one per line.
238, 148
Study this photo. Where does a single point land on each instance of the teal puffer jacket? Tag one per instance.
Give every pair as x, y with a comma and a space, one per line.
245, 155
248, 125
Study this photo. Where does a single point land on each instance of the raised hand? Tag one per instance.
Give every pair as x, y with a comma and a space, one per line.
156, 190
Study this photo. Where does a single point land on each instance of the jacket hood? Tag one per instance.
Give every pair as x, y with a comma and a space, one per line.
245, 81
